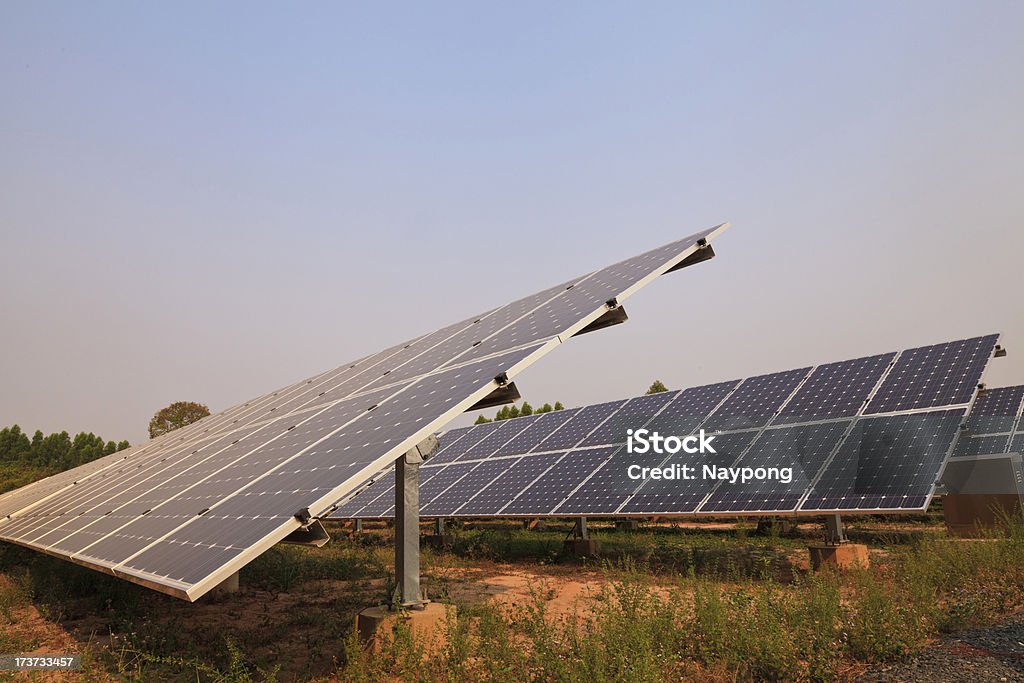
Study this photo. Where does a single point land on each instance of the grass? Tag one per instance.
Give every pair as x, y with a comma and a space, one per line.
753, 629
672, 604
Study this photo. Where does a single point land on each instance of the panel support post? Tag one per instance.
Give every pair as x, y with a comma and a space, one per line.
439, 526
580, 531
837, 552
357, 527
834, 530
581, 544
407, 525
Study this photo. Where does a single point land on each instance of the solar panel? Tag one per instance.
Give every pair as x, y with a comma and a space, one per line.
887, 463
636, 411
1017, 446
755, 401
996, 410
505, 432
544, 495
494, 496
690, 407
838, 458
802, 449
536, 431
936, 375
835, 389
579, 426
462, 490
667, 496
183, 512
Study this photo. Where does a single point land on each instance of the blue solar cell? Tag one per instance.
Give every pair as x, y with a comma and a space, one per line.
680, 496
470, 438
454, 497
633, 415
496, 495
755, 401
541, 497
802, 449
933, 376
971, 446
835, 390
506, 431
996, 410
576, 429
538, 430
688, 408
887, 463
611, 485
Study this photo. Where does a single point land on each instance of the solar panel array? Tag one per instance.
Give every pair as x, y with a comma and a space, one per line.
995, 425
183, 512
869, 435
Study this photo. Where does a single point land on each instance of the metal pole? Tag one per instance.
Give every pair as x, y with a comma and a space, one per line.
581, 529
834, 530
439, 526
407, 531
407, 524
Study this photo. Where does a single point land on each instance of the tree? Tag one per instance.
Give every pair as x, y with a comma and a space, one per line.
480, 420
175, 416
559, 406
657, 387
527, 409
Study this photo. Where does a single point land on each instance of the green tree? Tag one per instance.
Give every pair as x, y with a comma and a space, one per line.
559, 406
526, 409
546, 408
14, 443
480, 419
176, 416
657, 387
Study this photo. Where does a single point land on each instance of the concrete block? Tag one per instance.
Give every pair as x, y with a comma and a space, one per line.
627, 524
428, 626
225, 588
844, 556
583, 547
969, 515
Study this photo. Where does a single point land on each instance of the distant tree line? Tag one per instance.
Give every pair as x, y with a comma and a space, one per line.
56, 451
511, 411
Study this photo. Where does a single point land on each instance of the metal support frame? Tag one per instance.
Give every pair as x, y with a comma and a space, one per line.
439, 526
580, 530
834, 534
407, 525
357, 527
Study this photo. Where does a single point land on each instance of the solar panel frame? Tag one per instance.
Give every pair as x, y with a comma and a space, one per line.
618, 282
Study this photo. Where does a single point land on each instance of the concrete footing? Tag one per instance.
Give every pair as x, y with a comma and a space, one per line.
844, 556
627, 524
583, 547
226, 587
376, 626
971, 515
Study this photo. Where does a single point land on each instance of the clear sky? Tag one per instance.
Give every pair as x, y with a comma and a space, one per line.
205, 201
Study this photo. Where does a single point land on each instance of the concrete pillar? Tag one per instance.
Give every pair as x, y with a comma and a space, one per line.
226, 587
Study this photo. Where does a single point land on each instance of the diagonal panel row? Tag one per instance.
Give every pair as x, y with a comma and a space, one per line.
184, 511
822, 425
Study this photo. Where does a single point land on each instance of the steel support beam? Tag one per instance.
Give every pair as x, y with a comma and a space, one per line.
834, 530
581, 531
407, 525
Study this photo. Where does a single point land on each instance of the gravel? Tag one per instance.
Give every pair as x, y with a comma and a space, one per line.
988, 654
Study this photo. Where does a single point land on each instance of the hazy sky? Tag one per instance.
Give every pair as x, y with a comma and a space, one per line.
207, 201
